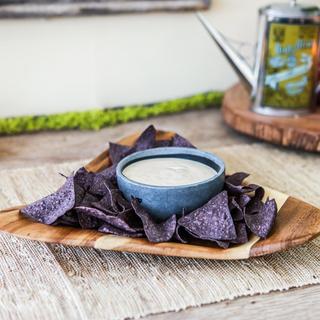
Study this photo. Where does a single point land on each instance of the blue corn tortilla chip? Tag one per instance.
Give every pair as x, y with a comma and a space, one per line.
107, 228
181, 235
162, 143
83, 178
233, 184
121, 221
235, 209
254, 206
202, 240
155, 231
223, 244
87, 221
242, 234
237, 189
122, 203
258, 190
109, 174
178, 141
261, 223
101, 185
243, 200
105, 205
117, 152
112, 202
146, 140
91, 212
184, 236
87, 200
118, 202
82, 182
211, 221
243, 189
69, 219
237, 178
79, 194
53, 206
131, 218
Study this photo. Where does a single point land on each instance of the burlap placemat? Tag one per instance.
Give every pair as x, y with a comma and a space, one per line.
40, 281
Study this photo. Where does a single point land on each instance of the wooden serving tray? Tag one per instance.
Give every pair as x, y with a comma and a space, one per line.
297, 222
300, 132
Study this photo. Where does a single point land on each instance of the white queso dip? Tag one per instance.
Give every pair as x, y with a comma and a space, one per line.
168, 171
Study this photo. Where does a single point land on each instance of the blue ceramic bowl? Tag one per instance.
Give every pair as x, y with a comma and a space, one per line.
162, 202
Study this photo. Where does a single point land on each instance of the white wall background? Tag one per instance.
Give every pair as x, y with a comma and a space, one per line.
57, 65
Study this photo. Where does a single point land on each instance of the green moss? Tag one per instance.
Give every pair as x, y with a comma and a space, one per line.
99, 118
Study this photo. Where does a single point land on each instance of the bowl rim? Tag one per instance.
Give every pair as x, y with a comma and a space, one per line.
169, 151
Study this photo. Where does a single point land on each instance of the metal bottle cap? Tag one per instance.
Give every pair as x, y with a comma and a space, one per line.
291, 10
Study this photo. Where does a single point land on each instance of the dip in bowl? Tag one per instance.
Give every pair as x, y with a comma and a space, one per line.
169, 180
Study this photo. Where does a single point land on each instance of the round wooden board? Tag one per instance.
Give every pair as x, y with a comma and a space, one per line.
301, 132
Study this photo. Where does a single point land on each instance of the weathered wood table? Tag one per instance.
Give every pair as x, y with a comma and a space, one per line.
205, 129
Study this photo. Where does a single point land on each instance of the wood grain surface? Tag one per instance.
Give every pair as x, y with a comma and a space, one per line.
26, 150
296, 223
293, 304
301, 132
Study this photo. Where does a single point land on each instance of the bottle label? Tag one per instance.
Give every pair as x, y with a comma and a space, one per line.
290, 66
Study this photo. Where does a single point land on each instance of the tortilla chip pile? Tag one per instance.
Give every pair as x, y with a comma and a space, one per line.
93, 201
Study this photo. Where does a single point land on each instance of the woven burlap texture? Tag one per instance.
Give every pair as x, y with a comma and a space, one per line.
40, 281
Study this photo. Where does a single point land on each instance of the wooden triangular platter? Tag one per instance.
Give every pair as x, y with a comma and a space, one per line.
297, 222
